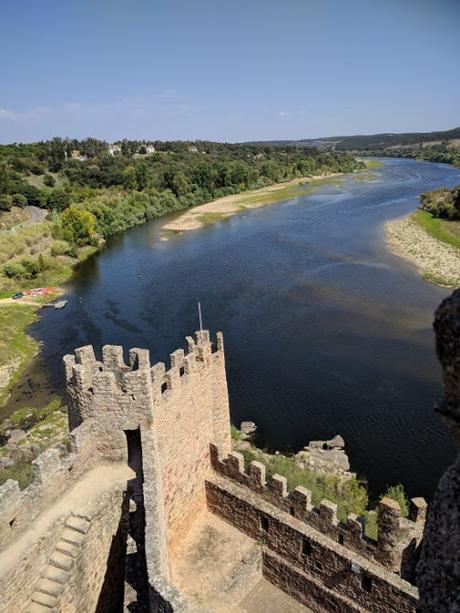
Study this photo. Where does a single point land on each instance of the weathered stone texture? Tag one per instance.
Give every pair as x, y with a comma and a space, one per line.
310, 552
396, 535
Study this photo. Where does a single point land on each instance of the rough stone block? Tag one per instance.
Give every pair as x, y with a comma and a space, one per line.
52, 588
78, 523
67, 549
56, 574
72, 536
278, 485
61, 560
35, 607
44, 600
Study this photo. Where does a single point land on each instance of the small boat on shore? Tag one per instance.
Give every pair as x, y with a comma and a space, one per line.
60, 304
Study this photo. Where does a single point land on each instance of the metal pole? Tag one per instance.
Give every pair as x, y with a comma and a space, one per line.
199, 316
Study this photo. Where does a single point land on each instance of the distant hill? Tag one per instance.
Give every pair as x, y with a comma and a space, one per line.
375, 142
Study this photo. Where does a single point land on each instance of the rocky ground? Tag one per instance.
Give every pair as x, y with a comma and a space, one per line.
437, 261
25, 434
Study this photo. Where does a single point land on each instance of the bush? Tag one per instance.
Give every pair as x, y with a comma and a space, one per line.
32, 268
397, 492
14, 270
25, 269
19, 200
31, 193
60, 248
78, 227
49, 181
5, 203
58, 200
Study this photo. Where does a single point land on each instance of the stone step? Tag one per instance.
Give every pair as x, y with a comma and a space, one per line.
67, 548
45, 600
34, 607
52, 588
80, 524
72, 536
61, 560
56, 574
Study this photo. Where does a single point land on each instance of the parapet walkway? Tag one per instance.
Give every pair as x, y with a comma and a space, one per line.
97, 481
218, 568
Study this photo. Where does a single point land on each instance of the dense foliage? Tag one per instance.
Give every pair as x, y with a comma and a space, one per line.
131, 183
442, 203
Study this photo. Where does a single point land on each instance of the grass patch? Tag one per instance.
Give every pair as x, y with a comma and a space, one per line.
13, 217
349, 495
445, 231
45, 427
208, 218
373, 163
20, 471
16, 348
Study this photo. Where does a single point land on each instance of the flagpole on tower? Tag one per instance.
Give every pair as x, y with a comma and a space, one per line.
199, 316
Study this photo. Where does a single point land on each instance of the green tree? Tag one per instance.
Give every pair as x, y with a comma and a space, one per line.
58, 200
78, 226
129, 178
5, 177
5, 202
49, 181
180, 184
18, 200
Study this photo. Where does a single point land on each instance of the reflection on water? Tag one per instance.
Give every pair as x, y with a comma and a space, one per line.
326, 331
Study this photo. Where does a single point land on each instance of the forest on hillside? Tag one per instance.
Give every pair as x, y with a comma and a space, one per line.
441, 146
130, 186
93, 190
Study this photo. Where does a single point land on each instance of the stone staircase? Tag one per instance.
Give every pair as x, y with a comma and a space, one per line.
57, 573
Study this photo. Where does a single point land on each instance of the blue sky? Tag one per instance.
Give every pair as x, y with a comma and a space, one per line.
228, 70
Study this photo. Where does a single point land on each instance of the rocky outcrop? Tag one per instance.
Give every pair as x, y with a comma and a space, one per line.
438, 571
326, 457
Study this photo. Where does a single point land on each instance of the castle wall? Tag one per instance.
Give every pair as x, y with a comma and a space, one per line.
72, 555
398, 538
184, 409
18, 582
54, 473
305, 551
190, 413
97, 576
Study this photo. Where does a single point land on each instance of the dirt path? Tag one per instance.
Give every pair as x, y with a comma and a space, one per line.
227, 206
436, 261
36, 216
88, 488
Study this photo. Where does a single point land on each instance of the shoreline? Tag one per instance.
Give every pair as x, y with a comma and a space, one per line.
436, 261
227, 206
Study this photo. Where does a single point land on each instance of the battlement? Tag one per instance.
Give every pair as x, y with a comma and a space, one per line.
130, 389
395, 533
53, 472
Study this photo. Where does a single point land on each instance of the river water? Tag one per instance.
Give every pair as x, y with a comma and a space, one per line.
325, 330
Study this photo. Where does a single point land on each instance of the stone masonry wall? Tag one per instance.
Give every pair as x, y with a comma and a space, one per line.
97, 576
179, 412
397, 537
188, 414
347, 576
76, 560
53, 473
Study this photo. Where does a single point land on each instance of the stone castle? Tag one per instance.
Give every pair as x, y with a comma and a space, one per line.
151, 510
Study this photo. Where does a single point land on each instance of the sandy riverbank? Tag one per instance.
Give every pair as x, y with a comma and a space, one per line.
436, 261
227, 206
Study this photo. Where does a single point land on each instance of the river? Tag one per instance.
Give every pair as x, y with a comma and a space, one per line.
325, 330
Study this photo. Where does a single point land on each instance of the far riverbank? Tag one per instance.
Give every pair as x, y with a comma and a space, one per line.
210, 212
436, 261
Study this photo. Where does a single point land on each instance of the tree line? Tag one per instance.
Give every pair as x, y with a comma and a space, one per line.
111, 190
